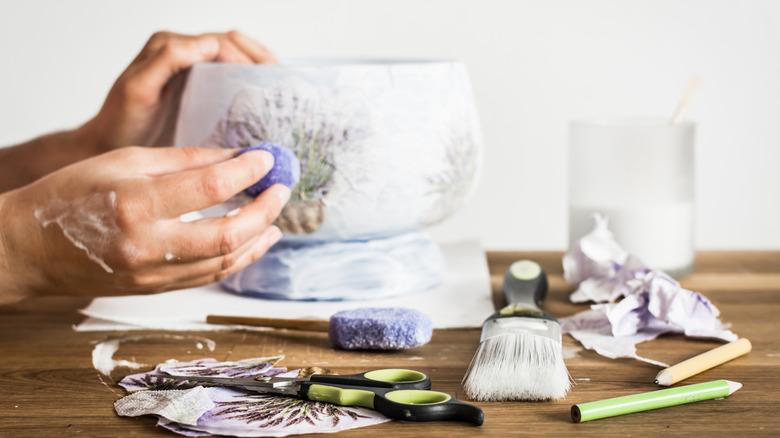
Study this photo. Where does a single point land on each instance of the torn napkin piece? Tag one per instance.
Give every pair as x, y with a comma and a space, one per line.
594, 331
197, 409
634, 303
180, 406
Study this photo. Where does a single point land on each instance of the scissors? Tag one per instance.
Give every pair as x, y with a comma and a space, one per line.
399, 394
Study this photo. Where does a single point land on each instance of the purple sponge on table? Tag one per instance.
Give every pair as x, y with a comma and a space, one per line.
379, 329
286, 170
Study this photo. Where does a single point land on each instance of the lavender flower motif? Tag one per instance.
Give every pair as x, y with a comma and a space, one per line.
268, 410
188, 408
203, 367
462, 160
154, 383
314, 122
210, 367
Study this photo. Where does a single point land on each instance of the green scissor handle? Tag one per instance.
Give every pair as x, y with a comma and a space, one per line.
396, 393
396, 378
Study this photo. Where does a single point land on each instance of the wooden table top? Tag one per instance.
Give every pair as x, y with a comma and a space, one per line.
49, 386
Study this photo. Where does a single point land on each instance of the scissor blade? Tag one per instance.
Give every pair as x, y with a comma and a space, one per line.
251, 384
209, 379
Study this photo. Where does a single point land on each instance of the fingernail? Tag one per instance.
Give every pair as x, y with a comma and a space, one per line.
208, 45
267, 157
274, 236
268, 160
284, 193
231, 152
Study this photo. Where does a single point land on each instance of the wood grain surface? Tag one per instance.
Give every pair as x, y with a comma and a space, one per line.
49, 387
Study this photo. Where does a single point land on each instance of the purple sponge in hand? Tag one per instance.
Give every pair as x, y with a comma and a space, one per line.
286, 170
372, 328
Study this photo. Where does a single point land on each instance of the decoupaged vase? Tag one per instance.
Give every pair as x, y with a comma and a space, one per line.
386, 148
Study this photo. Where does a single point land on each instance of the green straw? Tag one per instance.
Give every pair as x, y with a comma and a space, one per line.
652, 400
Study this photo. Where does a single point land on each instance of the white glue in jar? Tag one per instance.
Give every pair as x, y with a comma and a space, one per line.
639, 174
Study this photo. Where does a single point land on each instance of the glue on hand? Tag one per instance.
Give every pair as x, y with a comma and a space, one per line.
89, 223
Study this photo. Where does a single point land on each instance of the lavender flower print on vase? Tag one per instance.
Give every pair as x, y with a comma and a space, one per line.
386, 149
317, 125
455, 181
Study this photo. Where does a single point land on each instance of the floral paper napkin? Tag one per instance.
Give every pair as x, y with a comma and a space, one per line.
200, 409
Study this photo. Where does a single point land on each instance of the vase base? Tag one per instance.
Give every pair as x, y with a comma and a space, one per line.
343, 270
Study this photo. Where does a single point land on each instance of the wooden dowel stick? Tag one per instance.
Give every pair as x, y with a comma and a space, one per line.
690, 89
292, 324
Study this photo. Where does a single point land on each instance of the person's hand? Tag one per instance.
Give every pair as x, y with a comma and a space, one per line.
111, 224
139, 110
144, 98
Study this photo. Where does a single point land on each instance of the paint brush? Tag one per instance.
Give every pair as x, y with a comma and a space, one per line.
520, 353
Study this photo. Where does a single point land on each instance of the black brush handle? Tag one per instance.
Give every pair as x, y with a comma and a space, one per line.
525, 282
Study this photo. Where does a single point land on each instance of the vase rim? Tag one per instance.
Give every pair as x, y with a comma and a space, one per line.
298, 62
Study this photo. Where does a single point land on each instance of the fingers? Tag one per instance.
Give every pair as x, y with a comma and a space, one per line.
174, 274
207, 250
255, 251
163, 59
151, 162
167, 53
148, 209
196, 253
155, 42
196, 189
255, 51
229, 52
234, 47
214, 237
218, 268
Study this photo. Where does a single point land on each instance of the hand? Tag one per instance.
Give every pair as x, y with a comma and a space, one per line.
144, 96
138, 109
110, 224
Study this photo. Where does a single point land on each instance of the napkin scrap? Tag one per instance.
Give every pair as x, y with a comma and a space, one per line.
199, 409
633, 302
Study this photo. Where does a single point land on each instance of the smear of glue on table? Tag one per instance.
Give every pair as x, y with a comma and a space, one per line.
103, 353
633, 303
103, 357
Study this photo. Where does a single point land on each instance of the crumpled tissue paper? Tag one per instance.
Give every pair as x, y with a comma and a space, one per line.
633, 302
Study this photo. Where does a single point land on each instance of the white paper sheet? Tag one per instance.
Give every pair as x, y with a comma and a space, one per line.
462, 300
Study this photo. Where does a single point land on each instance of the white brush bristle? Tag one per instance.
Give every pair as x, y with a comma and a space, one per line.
517, 367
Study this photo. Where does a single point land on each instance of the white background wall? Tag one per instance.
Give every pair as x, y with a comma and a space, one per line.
534, 65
